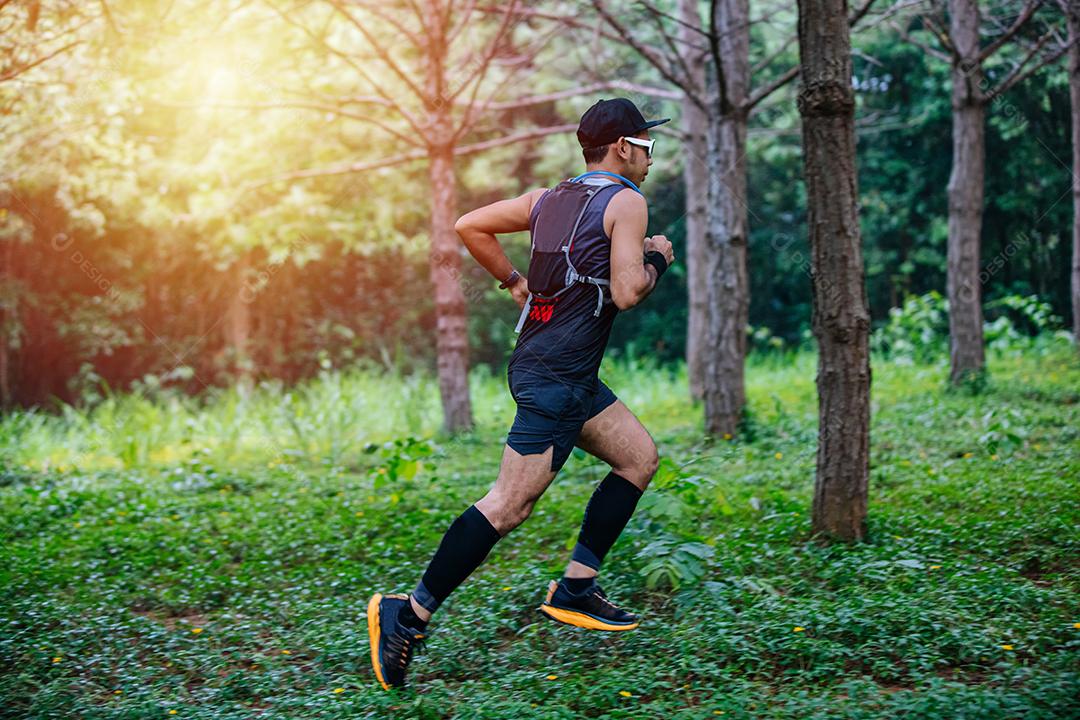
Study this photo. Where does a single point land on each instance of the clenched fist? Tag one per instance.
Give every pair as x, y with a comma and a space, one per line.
660, 244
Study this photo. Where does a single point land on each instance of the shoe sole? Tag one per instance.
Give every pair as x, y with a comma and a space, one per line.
374, 634
576, 618
580, 619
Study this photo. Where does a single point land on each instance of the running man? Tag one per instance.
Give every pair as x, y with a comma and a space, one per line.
553, 378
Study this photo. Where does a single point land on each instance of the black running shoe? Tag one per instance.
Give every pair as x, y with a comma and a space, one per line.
392, 643
591, 609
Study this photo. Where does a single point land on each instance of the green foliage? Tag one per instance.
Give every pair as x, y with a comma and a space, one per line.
918, 331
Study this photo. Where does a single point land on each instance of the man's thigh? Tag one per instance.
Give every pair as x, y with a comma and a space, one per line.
617, 437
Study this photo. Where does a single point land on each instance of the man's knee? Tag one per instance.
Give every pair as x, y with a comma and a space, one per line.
645, 462
506, 513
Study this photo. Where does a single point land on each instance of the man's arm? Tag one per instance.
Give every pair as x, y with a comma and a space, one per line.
631, 279
477, 229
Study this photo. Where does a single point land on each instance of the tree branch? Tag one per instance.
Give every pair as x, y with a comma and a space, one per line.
390, 101
793, 72
16, 71
1025, 15
1015, 76
933, 52
376, 9
479, 74
481, 69
409, 157
583, 90
382, 52
660, 62
318, 107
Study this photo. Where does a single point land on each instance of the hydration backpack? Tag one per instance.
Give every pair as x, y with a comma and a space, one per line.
551, 269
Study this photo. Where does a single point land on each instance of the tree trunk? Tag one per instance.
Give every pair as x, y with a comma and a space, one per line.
695, 177
237, 324
727, 294
444, 260
966, 196
841, 318
9, 320
1073, 17
451, 336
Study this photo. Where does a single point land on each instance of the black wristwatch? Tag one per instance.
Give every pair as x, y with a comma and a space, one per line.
510, 280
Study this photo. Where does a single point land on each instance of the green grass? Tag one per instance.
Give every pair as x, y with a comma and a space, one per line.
265, 518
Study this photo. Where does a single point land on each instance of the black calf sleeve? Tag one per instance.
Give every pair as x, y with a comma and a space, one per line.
463, 547
608, 511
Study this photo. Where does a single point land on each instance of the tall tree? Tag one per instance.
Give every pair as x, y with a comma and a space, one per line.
841, 317
1072, 17
960, 46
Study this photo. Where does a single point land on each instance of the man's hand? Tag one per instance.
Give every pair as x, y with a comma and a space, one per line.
520, 291
660, 244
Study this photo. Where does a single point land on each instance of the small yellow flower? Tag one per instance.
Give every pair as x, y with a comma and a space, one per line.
338, 691
57, 659
286, 652
968, 454
625, 693
727, 436
552, 677
779, 456
1076, 625
994, 456
798, 628
1006, 647
168, 664
506, 588
117, 692
360, 514
717, 712
935, 567
196, 631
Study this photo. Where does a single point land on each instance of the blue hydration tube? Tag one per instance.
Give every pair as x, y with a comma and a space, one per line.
630, 183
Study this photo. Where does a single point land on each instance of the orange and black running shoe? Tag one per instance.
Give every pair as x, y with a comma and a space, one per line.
590, 610
392, 642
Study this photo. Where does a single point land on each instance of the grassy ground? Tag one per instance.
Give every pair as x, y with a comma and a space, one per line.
167, 558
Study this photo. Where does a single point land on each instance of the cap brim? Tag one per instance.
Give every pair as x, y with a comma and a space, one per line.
653, 123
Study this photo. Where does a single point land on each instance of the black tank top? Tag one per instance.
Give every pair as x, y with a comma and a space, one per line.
564, 340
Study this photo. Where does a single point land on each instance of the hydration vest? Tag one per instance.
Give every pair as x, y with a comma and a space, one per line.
551, 267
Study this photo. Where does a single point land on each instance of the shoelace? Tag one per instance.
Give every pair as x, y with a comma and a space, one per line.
597, 590
403, 644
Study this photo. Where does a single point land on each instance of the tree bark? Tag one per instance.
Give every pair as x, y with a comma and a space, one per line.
727, 294
237, 326
1073, 19
841, 317
695, 177
451, 331
965, 192
451, 336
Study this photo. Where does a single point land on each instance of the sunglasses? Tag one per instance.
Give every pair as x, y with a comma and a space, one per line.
647, 144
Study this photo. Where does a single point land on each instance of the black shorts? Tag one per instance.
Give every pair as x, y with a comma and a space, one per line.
551, 413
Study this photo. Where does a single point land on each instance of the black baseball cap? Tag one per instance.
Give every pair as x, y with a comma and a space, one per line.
608, 120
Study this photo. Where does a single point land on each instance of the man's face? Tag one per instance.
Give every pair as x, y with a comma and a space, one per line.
638, 161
